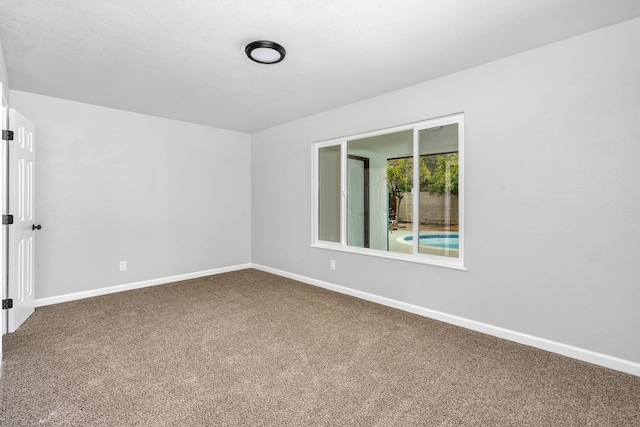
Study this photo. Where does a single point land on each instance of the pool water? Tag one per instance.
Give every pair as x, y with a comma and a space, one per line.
438, 240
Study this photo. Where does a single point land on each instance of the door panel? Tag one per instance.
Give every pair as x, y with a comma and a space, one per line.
21, 233
4, 175
358, 201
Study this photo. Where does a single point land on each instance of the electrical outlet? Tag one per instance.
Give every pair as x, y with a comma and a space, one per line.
332, 264
123, 265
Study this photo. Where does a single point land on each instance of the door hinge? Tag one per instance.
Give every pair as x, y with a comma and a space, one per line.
7, 219
7, 304
7, 135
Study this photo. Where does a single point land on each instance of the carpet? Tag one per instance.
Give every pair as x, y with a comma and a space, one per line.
251, 348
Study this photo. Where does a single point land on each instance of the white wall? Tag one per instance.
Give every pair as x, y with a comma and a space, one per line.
168, 197
4, 79
553, 138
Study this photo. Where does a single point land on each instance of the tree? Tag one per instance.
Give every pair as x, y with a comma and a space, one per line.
400, 178
444, 179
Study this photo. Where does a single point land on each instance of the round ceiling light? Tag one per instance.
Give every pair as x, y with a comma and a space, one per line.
265, 52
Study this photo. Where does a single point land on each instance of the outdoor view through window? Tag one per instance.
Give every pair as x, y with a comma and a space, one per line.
387, 199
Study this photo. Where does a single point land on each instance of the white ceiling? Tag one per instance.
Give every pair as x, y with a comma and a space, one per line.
184, 59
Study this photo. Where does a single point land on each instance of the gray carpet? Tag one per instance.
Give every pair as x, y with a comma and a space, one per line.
250, 348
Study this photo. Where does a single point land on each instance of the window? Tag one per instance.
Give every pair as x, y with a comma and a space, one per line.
396, 193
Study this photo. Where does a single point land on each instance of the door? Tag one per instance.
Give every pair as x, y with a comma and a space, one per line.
4, 124
22, 232
358, 201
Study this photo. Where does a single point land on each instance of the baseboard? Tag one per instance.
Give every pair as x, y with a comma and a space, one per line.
136, 285
589, 356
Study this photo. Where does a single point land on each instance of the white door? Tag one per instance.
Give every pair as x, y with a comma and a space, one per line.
4, 124
22, 232
358, 201
355, 203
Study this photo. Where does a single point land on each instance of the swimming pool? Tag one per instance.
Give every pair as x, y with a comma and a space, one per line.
437, 240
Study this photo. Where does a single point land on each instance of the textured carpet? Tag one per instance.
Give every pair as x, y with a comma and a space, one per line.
250, 348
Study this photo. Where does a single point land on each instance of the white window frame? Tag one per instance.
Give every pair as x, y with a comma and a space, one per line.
436, 260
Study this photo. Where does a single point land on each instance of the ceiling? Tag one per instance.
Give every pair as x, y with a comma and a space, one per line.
184, 59
432, 140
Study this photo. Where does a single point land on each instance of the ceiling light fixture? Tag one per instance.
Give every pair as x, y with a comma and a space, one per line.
265, 52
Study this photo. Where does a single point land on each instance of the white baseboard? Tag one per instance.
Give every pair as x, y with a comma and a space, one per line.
137, 285
589, 356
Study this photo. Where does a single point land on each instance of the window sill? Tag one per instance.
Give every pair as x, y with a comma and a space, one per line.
417, 259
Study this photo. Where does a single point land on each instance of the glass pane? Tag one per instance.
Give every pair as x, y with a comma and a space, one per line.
379, 182
439, 191
329, 193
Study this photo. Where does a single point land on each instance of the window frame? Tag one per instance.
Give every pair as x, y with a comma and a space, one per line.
416, 256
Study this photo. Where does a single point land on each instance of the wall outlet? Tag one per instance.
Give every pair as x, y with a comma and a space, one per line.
123, 265
332, 264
